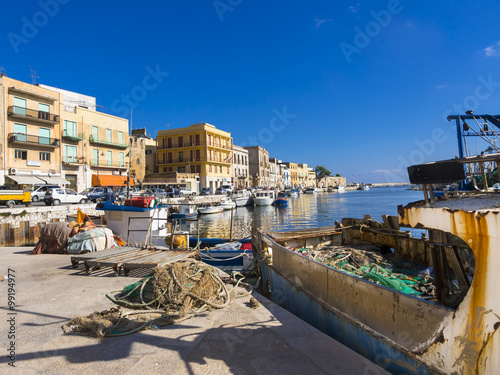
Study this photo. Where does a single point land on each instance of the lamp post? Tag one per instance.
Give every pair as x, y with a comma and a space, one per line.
98, 161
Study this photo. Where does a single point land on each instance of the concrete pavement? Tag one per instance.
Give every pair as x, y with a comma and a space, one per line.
237, 340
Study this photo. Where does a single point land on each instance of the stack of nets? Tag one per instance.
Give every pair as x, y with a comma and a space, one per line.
174, 292
372, 266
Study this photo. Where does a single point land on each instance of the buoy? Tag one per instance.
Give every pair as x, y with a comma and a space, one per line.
179, 240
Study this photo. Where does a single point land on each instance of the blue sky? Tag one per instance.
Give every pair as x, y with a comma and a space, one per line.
361, 87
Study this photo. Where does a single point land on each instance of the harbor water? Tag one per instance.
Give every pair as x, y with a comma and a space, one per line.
307, 211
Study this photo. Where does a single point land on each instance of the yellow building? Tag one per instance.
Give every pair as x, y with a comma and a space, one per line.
199, 148
294, 173
56, 136
302, 173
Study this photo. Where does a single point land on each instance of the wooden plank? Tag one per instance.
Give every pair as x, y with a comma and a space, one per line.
158, 257
116, 260
103, 253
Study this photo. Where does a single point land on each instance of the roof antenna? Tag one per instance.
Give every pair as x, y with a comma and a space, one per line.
33, 76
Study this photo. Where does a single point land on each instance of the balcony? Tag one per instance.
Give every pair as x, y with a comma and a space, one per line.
32, 115
183, 160
105, 164
74, 161
72, 137
27, 139
96, 141
180, 145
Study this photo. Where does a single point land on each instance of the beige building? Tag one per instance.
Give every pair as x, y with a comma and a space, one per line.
56, 136
258, 166
311, 177
142, 155
302, 173
240, 167
275, 178
199, 148
331, 181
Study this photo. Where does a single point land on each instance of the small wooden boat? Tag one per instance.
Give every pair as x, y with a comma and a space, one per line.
281, 200
187, 211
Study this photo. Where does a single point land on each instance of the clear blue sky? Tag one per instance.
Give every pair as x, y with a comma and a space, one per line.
361, 87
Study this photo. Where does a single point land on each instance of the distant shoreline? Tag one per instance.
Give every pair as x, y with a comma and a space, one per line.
384, 184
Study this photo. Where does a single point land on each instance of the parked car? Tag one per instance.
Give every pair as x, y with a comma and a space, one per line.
99, 194
220, 191
186, 191
206, 191
38, 191
56, 196
173, 192
133, 192
158, 193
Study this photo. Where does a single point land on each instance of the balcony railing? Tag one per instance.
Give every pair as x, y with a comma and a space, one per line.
182, 160
71, 136
191, 144
74, 160
96, 141
103, 163
21, 138
31, 114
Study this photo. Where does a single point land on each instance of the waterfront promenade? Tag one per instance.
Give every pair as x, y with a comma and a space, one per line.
236, 340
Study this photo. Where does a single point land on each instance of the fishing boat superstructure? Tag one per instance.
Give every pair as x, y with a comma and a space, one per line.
242, 197
263, 197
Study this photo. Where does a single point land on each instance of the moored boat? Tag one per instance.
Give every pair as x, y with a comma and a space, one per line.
210, 209
281, 199
263, 197
242, 197
227, 203
187, 210
294, 193
311, 190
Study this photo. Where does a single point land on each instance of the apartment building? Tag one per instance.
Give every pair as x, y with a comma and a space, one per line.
302, 173
199, 148
285, 176
56, 136
240, 167
294, 176
258, 166
275, 180
311, 177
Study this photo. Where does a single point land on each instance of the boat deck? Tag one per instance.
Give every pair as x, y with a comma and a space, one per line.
128, 257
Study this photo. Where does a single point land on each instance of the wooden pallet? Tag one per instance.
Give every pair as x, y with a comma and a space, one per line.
127, 258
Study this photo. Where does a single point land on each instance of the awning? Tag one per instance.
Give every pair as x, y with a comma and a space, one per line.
54, 180
26, 180
110, 180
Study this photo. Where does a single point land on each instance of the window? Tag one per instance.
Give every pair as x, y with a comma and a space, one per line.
95, 133
45, 156
43, 107
44, 136
209, 154
21, 154
181, 143
120, 138
137, 161
70, 154
109, 135
95, 156
220, 169
210, 168
70, 128
109, 158
20, 106
198, 169
181, 169
181, 156
197, 139
227, 170
20, 131
121, 159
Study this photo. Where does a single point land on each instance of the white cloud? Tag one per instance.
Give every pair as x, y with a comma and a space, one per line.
354, 9
386, 171
442, 86
320, 22
493, 50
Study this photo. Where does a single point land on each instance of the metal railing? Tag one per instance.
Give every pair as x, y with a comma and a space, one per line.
109, 164
192, 144
73, 135
34, 139
74, 160
32, 114
96, 140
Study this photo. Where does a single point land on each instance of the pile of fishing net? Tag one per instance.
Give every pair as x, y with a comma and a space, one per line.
377, 268
171, 293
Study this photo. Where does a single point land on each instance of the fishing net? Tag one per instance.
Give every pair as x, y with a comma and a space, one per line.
174, 292
376, 267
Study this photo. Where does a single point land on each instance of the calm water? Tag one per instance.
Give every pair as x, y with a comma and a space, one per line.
308, 210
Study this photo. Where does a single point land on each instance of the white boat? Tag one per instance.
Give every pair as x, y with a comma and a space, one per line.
294, 193
242, 198
263, 197
364, 187
187, 210
311, 190
210, 210
339, 188
227, 203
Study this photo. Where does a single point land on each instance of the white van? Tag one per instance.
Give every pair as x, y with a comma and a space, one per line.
228, 187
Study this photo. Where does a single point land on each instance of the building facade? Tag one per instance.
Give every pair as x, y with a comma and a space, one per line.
142, 155
294, 176
240, 167
199, 148
274, 173
311, 177
285, 176
331, 181
258, 166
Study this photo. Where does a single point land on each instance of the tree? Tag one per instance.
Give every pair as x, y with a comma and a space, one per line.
321, 171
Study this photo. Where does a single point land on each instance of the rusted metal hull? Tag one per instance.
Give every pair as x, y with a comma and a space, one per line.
388, 327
